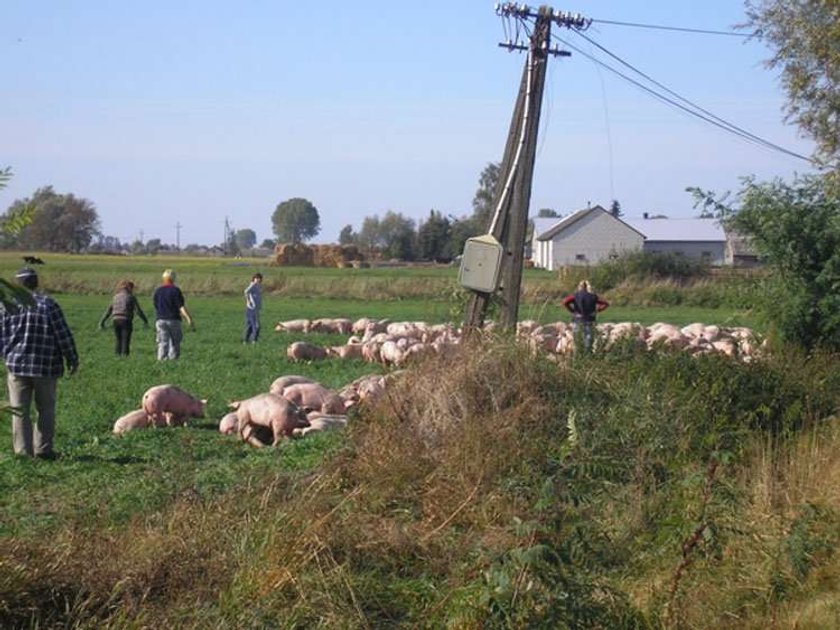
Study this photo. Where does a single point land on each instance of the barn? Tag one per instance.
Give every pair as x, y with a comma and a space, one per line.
593, 235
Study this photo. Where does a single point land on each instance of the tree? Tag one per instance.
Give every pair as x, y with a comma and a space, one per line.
433, 238
615, 209
805, 36
347, 236
460, 230
245, 238
394, 235
59, 223
295, 220
547, 213
795, 228
267, 244
483, 208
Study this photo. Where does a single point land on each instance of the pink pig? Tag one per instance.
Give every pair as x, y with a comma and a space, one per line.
283, 382
267, 410
314, 397
136, 419
171, 406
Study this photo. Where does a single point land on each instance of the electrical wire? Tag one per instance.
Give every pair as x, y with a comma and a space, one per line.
681, 29
691, 109
668, 90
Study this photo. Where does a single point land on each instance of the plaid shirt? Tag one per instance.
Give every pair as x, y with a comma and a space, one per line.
36, 341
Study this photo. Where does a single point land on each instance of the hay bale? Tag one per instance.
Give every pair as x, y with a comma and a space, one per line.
293, 255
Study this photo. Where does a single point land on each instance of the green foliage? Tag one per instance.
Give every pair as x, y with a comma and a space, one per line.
434, 238
485, 196
347, 236
803, 36
53, 222
295, 221
646, 266
245, 238
796, 228
393, 235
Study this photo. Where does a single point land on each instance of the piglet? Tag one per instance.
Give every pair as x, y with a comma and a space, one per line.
267, 410
136, 419
168, 405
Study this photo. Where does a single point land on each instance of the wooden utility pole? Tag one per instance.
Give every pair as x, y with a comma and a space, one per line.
512, 196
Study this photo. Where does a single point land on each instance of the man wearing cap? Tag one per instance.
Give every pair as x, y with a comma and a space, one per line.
36, 344
169, 310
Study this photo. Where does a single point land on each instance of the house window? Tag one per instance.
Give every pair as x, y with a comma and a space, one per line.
580, 257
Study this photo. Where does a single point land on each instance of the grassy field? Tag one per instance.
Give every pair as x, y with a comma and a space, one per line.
511, 493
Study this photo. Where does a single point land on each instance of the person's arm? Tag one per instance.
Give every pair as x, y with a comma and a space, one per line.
140, 312
106, 315
63, 337
186, 315
569, 303
600, 304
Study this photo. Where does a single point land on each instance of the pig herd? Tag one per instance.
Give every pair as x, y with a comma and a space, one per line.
294, 406
398, 343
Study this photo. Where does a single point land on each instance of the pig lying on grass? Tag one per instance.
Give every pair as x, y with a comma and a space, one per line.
321, 422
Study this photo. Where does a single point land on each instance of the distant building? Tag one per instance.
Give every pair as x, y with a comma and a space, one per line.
594, 235
586, 237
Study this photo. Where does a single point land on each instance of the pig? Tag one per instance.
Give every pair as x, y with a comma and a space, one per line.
347, 351
314, 397
136, 419
229, 424
293, 326
302, 351
171, 406
267, 410
283, 382
321, 422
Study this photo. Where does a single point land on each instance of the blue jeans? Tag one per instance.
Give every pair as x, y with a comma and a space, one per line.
584, 332
252, 325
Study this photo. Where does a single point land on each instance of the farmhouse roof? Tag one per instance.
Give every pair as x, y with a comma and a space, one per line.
552, 230
675, 230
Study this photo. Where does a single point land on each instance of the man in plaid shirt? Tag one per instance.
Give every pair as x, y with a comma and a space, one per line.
36, 344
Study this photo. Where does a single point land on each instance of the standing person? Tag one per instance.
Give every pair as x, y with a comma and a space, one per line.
584, 304
169, 310
36, 344
122, 308
253, 304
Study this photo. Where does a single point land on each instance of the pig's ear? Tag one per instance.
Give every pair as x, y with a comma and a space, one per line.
234, 404
203, 402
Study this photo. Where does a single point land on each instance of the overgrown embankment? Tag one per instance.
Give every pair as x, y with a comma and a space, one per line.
495, 489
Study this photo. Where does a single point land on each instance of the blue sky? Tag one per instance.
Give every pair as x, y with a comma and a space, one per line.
192, 112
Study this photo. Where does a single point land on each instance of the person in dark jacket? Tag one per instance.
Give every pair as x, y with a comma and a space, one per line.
36, 344
169, 310
121, 311
584, 305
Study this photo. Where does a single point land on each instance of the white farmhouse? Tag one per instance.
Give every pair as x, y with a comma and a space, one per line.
586, 237
593, 235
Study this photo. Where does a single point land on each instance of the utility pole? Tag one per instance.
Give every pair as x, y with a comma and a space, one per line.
512, 196
178, 227
225, 242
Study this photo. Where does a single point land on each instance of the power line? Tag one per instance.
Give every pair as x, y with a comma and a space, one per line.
701, 31
691, 109
697, 107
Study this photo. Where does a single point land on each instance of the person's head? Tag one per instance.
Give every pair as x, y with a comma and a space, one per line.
584, 285
27, 277
257, 277
125, 285
169, 276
